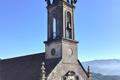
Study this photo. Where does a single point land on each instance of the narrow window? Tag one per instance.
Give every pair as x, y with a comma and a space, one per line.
52, 1
68, 19
54, 28
68, 26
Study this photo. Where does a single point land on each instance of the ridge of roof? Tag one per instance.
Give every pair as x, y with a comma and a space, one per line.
36, 54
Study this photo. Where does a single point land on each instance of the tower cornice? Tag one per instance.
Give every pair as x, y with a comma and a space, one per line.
61, 40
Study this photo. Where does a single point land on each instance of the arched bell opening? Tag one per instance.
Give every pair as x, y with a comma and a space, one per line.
68, 26
54, 28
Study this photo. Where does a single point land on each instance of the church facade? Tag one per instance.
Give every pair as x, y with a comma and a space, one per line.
60, 59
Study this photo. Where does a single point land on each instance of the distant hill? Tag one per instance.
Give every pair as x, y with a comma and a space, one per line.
107, 77
104, 67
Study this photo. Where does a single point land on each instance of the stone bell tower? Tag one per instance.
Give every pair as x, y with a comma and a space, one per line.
61, 41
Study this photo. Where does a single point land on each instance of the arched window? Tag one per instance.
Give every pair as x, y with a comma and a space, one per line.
68, 19
68, 26
54, 28
51, 1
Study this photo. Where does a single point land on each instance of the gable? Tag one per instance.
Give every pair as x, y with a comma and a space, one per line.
63, 68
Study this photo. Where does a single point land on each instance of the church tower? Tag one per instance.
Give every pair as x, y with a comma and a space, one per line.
61, 41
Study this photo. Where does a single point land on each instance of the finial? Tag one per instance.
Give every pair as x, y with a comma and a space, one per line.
88, 68
89, 72
48, 2
43, 73
75, 1
72, 2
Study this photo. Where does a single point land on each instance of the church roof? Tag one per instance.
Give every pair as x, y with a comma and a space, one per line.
25, 67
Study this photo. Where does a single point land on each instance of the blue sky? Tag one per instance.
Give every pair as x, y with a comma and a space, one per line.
23, 26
